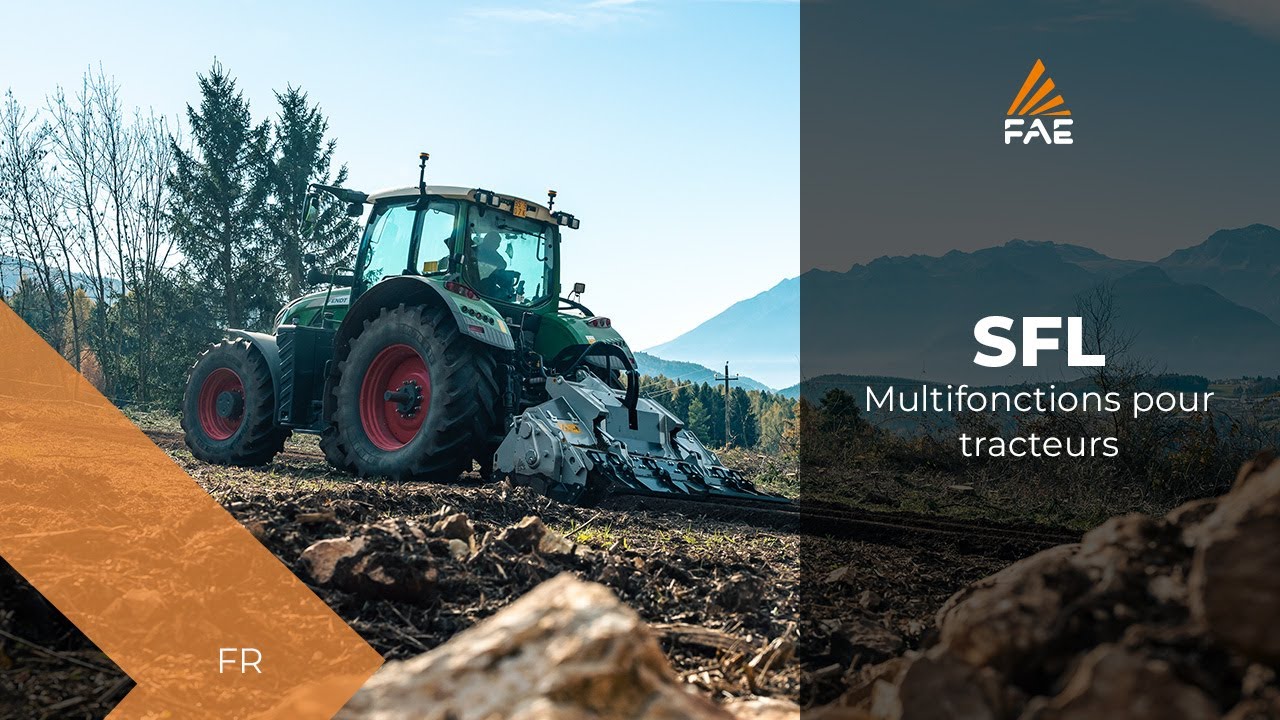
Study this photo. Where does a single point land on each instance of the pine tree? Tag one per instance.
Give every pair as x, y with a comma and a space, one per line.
712, 400
840, 412
218, 192
699, 419
746, 426
679, 404
301, 155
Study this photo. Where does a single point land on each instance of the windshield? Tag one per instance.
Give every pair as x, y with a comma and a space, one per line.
390, 234
511, 258
435, 242
387, 251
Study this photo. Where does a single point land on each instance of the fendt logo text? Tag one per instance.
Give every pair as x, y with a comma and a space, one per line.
1033, 104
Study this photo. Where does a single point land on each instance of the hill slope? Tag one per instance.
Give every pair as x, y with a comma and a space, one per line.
1211, 309
759, 336
1242, 264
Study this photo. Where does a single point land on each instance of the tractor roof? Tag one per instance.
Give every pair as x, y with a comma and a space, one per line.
536, 211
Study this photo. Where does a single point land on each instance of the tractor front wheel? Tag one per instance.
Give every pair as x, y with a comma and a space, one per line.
228, 406
414, 398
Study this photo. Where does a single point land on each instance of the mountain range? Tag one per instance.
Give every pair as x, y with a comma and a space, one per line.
1243, 265
1212, 309
13, 268
759, 337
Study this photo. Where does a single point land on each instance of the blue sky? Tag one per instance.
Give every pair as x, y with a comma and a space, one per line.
672, 129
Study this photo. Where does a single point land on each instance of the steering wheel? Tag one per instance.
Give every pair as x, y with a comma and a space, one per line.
501, 284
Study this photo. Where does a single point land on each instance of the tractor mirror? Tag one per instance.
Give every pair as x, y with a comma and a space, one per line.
355, 209
308, 211
579, 288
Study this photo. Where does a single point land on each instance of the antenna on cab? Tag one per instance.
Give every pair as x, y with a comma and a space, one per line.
422, 172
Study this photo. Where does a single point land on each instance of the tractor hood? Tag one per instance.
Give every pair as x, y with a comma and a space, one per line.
560, 331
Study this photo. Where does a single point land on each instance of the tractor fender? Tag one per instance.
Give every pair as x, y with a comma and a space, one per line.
476, 319
265, 344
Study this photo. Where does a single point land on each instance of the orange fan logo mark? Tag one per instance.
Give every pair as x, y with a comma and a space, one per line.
1053, 106
1036, 98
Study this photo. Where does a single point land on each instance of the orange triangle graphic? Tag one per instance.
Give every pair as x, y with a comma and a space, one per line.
154, 571
1035, 103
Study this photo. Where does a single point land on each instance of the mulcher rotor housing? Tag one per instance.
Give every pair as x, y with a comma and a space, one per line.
448, 341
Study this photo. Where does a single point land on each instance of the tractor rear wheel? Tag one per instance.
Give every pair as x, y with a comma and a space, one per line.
228, 407
414, 397
335, 453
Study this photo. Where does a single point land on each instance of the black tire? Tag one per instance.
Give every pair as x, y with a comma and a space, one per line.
460, 414
335, 453
249, 435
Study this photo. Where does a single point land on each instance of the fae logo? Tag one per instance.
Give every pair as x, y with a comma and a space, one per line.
1032, 104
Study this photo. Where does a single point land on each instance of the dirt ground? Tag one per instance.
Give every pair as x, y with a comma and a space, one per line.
742, 610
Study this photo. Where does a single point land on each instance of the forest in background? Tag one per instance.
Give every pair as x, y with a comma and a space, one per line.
132, 238
129, 239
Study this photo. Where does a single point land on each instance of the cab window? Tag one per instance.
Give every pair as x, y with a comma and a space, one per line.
435, 244
510, 258
388, 249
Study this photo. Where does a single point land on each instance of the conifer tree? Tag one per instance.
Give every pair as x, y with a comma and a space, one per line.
218, 193
301, 155
699, 419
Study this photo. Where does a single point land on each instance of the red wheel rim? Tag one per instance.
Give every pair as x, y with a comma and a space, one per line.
215, 424
391, 423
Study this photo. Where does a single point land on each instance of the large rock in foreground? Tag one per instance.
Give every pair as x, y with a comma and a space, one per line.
1147, 618
1235, 579
567, 650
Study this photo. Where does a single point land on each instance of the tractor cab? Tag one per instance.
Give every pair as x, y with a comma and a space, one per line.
495, 257
500, 253
504, 249
501, 248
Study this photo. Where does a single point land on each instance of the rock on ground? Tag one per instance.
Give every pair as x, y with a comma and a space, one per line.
999, 620
1173, 617
1235, 578
1114, 683
763, 709
567, 650
390, 559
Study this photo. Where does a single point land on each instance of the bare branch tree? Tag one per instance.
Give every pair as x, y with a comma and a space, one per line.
34, 209
83, 200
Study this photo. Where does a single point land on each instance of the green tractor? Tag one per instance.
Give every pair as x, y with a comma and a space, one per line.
448, 343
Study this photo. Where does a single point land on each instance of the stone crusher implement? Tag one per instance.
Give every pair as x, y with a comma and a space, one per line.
590, 439
446, 341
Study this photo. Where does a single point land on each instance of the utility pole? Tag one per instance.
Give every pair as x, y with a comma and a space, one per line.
727, 378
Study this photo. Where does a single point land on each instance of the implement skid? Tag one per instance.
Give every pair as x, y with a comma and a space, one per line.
585, 443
